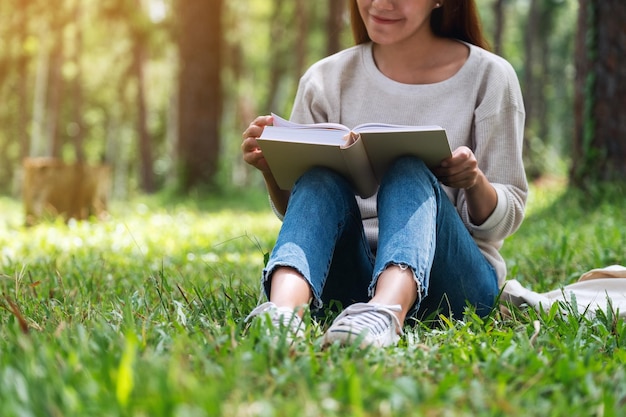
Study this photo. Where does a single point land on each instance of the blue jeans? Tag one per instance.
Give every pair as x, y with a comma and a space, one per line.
322, 237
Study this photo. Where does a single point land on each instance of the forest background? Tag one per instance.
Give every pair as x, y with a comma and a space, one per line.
162, 89
144, 314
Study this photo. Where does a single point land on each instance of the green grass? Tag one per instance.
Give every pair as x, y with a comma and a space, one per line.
142, 315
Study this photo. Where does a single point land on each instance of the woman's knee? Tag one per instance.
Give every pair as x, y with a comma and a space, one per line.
322, 180
410, 167
408, 174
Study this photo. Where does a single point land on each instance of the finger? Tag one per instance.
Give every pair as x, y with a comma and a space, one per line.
252, 131
461, 180
252, 156
256, 126
462, 152
249, 144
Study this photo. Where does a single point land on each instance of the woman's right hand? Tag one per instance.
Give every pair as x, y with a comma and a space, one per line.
252, 153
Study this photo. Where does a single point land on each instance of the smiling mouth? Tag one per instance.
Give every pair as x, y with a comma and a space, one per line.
383, 20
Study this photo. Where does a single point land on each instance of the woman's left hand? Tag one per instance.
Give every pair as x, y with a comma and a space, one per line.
460, 170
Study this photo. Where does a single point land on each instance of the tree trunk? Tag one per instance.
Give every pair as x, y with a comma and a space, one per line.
280, 51
78, 131
145, 139
334, 26
599, 149
529, 85
302, 20
37, 140
52, 134
200, 94
544, 75
146, 171
498, 13
22, 88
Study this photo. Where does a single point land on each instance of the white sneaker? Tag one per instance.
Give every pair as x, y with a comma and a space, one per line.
281, 318
370, 324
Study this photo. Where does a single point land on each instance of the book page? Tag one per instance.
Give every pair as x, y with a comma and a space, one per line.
280, 122
384, 127
317, 136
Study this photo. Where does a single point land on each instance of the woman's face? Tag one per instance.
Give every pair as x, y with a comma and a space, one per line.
391, 22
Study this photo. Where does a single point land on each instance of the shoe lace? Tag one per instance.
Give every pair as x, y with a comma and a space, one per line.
368, 316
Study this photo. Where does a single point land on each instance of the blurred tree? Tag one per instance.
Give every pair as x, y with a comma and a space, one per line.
108, 84
22, 62
280, 52
139, 33
498, 13
133, 20
14, 90
76, 126
200, 41
302, 26
599, 150
537, 81
50, 132
38, 144
236, 80
334, 25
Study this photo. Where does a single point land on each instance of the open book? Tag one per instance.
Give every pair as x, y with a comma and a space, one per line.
361, 154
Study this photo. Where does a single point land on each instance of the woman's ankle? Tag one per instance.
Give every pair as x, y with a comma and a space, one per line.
289, 289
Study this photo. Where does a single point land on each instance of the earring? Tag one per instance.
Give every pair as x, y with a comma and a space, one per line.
438, 5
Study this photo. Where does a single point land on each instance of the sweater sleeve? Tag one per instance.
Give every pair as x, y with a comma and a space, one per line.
498, 139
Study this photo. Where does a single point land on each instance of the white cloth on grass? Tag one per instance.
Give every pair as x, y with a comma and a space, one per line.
599, 289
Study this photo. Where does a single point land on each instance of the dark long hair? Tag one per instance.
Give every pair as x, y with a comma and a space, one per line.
457, 19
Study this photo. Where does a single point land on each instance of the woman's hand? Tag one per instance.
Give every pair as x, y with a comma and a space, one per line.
252, 153
460, 170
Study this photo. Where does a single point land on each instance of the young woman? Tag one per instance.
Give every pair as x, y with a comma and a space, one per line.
428, 241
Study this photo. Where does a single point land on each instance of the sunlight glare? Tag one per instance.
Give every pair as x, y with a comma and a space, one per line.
157, 10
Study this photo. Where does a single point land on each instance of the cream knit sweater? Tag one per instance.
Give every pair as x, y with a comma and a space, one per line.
480, 107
